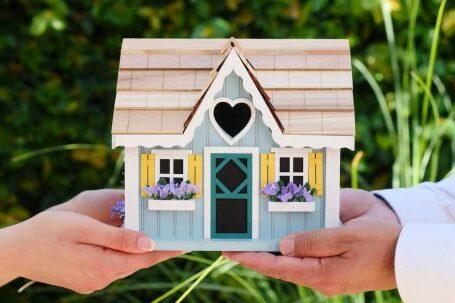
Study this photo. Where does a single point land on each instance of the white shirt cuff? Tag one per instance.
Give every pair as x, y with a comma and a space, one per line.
420, 204
424, 263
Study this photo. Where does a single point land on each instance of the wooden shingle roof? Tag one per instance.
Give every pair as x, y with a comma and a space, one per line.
308, 83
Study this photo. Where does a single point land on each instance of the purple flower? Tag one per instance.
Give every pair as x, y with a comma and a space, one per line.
285, 197
171, 190
270, 189
118, 209
306, 195
177, 190
292, 188
164, 191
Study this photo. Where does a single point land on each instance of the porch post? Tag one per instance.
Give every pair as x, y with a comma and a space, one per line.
332, 187
132, 198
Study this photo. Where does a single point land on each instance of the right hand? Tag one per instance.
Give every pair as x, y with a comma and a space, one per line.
78, 251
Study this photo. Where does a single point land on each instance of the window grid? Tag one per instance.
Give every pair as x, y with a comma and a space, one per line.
171, 155
171, 174
291, 154
291, 174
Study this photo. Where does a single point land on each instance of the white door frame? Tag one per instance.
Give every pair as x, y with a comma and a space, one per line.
254, 151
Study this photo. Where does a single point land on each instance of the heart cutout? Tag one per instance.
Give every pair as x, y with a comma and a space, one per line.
232, 118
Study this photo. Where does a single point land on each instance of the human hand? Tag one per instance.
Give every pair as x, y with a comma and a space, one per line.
77, 246
358, 256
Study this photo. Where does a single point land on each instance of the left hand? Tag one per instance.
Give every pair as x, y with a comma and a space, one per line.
77, 245
358, 256
96, 204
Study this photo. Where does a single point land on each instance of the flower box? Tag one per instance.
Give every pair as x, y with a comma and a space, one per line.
292, 206
172, 205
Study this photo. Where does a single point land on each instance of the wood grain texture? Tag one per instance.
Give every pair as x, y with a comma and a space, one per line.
287, 99
144, 121
163, 61
249, 46
290, 62
130, 99
256, 61
304, 122
304, 79
179, 79
309, 82
336, 79
320, 99
144, 80
195, 61
124, 80
345, 99
120, 121
133, 61
150, 121
338, 123
172, 121
261, 61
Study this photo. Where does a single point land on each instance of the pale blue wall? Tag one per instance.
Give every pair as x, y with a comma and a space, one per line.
177, 225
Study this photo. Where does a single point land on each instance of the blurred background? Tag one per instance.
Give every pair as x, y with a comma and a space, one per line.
58, 69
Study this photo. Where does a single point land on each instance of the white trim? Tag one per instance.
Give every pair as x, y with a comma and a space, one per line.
289, 150
168, 141
332, 187
291, 153
231, 140
171, 152
233, 63
254, 151
172, 205
132, 198
171, 155
292, 206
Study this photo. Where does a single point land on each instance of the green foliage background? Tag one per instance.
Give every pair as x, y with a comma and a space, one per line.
58, 65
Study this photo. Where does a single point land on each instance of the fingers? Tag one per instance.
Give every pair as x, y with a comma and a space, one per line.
99, 266
316, 243
353, 203
96, 204
115, 238
303, 271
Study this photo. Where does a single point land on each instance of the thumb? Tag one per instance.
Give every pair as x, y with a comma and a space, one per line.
117, 238
315, 243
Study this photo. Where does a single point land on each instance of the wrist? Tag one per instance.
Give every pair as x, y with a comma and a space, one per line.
8, 254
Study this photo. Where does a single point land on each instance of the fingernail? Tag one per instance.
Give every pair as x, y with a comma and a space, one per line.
287, 246
145, 244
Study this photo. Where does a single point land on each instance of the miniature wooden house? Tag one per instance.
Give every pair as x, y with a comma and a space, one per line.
231, 115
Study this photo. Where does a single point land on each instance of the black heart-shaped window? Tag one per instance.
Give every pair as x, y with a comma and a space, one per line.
232, 119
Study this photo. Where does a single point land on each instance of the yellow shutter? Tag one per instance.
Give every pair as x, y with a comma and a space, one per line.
195, 172
147, 171
264, 171
267, 169
315, 172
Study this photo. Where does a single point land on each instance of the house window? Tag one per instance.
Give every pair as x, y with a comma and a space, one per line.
171, 164
291, 165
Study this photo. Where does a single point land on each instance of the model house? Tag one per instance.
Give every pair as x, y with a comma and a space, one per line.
231, 116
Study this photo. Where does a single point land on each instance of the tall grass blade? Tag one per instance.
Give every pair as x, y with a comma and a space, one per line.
204, 274
432, 60
43, 151
379, 95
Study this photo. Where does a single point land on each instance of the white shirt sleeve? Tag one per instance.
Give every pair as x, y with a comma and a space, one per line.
425, 253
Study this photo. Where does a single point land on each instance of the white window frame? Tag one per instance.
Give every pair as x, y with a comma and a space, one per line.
291, 153
171, 154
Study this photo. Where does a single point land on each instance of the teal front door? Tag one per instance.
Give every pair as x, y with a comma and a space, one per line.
231, 196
